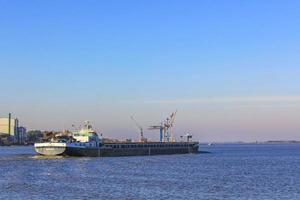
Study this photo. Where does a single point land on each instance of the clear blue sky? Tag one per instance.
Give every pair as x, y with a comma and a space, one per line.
231, 68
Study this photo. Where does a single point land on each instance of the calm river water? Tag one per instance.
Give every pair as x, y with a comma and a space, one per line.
228, 172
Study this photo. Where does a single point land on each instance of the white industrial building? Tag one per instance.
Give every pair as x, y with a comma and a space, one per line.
9, 128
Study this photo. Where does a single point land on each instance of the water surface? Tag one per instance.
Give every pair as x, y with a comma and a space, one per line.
228, 172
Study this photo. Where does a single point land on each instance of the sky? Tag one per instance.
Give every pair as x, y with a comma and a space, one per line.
230, 68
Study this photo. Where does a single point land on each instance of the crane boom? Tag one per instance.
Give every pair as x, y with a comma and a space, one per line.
140, 128
136, 123
173, 116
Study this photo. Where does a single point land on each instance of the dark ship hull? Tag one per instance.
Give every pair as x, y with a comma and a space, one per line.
124, 149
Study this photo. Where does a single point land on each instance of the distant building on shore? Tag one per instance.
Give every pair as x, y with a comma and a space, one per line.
22, 135
11, 131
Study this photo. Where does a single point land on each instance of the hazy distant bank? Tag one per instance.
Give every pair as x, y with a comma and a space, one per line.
257, 142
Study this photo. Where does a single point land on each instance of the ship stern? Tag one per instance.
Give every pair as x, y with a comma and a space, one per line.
50, 149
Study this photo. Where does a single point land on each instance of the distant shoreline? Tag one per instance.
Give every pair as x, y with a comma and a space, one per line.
263, 142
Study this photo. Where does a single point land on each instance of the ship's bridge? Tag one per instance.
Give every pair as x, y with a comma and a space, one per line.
87, 134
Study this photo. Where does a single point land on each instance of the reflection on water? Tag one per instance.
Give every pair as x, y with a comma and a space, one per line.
229, 172
47, 157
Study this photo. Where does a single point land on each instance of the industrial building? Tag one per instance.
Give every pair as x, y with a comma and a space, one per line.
11, 132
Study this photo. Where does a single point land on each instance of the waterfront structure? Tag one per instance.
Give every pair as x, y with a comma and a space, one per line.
11, 131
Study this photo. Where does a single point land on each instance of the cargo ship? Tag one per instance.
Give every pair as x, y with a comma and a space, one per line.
86, 142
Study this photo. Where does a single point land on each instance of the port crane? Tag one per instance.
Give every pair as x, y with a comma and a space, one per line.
140, 128
162, 131
166, 128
